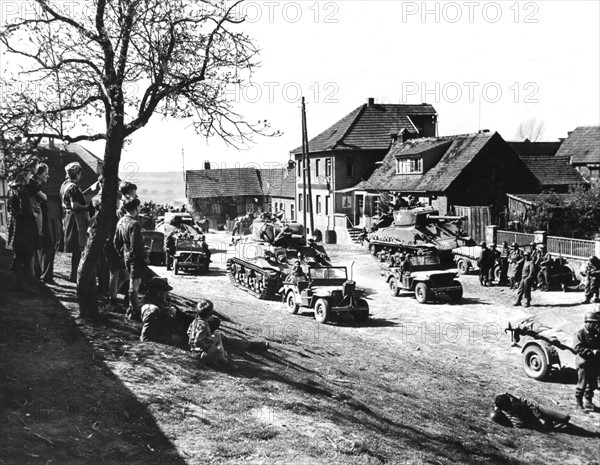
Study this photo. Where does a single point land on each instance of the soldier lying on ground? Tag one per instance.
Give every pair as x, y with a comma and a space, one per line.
518, 412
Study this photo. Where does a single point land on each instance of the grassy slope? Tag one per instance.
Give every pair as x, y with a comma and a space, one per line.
94, 395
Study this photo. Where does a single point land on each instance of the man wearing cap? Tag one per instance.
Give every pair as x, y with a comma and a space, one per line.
130, 245
587, 346
536, 258
543, 276
162, 322
527, 275
486, 263
592, 287
515, 266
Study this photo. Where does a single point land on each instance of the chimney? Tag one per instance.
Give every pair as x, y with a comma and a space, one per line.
394, 137
206, 165
51, 144
370, 101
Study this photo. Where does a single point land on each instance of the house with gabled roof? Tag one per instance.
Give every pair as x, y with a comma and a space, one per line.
448, 173
346, 153
553, 172
582, 148
225, 194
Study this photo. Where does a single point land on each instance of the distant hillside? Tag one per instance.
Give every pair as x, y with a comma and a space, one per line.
159, 186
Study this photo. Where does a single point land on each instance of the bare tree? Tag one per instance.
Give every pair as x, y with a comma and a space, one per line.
102, 72
531, 129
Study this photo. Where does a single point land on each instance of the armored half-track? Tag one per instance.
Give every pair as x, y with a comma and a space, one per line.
420, 228
266, 257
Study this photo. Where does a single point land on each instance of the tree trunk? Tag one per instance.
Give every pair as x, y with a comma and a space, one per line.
87, 291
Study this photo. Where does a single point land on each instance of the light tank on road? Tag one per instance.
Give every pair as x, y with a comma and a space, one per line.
266, 257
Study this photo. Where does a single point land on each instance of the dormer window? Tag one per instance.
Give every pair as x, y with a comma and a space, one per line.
409, 166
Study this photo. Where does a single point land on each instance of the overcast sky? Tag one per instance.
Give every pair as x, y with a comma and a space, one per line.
483, 65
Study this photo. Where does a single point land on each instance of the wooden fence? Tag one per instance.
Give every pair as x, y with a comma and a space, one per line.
477, 219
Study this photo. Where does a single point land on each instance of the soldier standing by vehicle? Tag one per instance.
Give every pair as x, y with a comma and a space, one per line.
515, 266
205, 248
527, 276
592, 286
495, 257
486, 263
130, 245
587, 346
503, 260
536, 258
543, 276
170, 249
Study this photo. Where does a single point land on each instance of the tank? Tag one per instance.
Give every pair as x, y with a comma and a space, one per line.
264, 258
420, 228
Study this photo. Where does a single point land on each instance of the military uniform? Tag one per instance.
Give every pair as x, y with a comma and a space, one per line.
486, 263
527, 277
515, 267
543, 276
587, 346
592, 272
503, 259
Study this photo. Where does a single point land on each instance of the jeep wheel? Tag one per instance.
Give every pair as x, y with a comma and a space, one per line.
394, 289
176, 266
292, 306
322, 311
535, 363
462, 265
422, 293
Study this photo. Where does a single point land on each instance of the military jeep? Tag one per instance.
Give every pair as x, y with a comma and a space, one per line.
189, 256
326, 290
424, 277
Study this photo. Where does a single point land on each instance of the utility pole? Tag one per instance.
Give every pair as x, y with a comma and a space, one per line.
307, 166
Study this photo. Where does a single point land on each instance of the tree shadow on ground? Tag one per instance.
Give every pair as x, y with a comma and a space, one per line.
61, 402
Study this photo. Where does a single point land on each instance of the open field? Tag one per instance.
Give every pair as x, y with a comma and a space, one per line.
414, 385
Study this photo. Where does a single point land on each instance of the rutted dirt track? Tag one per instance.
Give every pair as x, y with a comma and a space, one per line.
414, 385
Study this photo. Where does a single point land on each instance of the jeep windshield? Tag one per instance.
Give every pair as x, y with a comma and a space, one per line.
328, 273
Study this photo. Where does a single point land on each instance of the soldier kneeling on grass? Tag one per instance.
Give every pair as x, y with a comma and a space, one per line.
518, 412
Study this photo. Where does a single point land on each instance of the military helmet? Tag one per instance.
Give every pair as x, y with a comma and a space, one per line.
483, 244
527, 253
592, 317
515, 245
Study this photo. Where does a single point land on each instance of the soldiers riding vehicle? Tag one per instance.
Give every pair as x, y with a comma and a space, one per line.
326, 290
423, 274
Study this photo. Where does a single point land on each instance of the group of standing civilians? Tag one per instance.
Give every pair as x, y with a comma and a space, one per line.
35, 234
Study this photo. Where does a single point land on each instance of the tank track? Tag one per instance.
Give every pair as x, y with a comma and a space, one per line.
267, 291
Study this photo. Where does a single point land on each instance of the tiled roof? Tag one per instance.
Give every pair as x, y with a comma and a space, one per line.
582, 146
57, 160
534, 148
229, 182
278, 182
459, 152
552, 170
368, 127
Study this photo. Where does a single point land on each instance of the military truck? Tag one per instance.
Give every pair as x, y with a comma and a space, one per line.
189, 256
328, 292
425, 277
